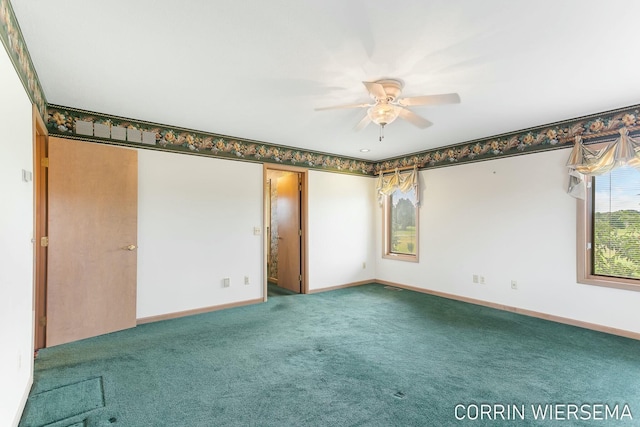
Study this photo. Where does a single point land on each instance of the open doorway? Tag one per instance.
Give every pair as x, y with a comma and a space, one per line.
285, 219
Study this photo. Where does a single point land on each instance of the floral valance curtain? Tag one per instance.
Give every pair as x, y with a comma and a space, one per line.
403, 181
584, 162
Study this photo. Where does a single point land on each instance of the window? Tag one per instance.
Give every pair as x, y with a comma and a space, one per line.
401, 225
609, 233
398, 193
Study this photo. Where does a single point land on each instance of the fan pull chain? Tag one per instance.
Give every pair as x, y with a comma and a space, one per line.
381, 132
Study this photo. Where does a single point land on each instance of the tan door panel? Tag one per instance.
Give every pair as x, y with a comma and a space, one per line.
93, 198
289, 231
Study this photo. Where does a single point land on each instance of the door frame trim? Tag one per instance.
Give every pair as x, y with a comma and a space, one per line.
304, 286
40, 220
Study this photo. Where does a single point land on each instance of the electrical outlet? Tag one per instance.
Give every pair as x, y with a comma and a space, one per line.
364, 265
514, 284
475, 278
482, 280
226, 282
246, 280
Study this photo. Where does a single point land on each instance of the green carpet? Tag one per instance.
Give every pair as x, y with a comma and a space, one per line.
363, 356
274, 290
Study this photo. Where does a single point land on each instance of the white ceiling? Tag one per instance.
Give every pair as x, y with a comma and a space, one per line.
256, 69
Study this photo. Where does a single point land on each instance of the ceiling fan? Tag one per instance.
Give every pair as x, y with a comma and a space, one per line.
387, 105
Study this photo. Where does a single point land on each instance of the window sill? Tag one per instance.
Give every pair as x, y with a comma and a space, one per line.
610, 282
401, 257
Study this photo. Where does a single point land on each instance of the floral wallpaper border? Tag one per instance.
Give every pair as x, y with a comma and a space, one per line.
79, 124
594, 128
16, 47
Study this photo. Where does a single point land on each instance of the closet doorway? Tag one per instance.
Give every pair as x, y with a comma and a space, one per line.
285, 225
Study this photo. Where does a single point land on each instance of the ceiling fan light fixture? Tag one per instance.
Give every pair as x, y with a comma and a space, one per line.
388, 105
383, 113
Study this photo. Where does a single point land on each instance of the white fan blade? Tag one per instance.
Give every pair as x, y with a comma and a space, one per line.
337, 107
376, 89
363, 123
413, 118
446, 98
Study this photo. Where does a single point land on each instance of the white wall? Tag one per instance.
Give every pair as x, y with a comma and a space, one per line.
341, 229
507, 219
16, 249
195, 227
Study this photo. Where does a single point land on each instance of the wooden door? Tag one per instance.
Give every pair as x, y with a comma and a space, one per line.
289, 231
93, 202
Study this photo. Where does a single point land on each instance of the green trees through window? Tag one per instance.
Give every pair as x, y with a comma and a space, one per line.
403, 223
616, 224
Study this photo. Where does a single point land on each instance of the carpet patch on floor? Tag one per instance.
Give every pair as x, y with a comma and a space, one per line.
80, 424
64, 402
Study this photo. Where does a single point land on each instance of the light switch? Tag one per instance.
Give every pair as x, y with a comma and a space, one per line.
27, 176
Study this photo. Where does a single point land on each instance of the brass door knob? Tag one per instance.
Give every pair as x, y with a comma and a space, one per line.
130, 247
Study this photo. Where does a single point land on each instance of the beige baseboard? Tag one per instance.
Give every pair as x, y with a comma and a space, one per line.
178, 314
346, 285
525, 312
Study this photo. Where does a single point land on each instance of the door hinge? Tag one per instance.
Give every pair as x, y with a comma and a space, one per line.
44, 162
588, 246
299, 232
300, 278
44, 242
43, 321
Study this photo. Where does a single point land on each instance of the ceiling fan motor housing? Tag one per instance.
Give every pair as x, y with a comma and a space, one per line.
392, 87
